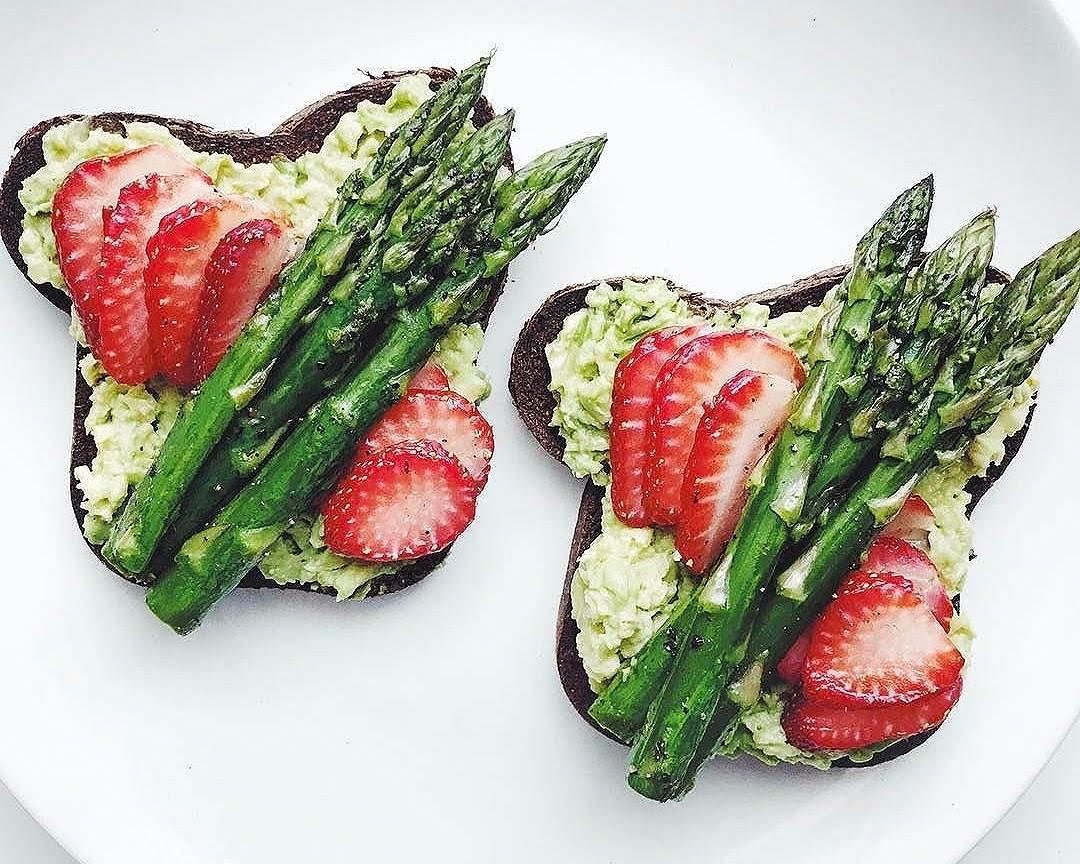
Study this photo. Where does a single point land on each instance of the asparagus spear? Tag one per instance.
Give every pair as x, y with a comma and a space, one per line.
909, 348
882, 257
258, 429
438, 210
782, 619
997, 351
952, 276
404, 159
213, 562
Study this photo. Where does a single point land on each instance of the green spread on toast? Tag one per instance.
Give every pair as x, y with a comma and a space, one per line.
129, 424
629, 579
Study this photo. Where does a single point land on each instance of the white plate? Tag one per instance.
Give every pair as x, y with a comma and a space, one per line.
751, 143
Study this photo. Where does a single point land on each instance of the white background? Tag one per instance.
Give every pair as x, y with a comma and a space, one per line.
1036, 829
1040, 829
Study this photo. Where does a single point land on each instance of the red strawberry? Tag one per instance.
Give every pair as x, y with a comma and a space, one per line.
431, 377
631, 413
812, 725
91, 188
693, 376
448, 419
401, 503
878, 645
892, 555
241, 270
790, 667
175, 276
912, 523
734, 432
119, 305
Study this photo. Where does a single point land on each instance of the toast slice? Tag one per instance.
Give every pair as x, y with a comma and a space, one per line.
529, 382
301, 133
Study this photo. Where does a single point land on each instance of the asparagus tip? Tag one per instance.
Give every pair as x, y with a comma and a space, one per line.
481, 65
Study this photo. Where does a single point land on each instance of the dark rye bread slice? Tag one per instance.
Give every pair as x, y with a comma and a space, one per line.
529, 382
301, 133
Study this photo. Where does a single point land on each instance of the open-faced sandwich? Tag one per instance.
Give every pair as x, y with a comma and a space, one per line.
770, 550
277, 379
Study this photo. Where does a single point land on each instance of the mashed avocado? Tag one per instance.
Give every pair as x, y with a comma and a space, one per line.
300, 557
622, 592
943, 488
628, 580
129, 424
456, 353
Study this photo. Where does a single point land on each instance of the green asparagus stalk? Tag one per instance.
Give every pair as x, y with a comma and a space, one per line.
435, 213
213, 562
405, 158
997, 350
907, 346
622, 706
946, 288
881, 259
908, 350
523, 196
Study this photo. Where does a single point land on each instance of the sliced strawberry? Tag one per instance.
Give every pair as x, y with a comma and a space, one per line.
734, 432
790, 667
89, 190
812, 725
431, 377
448, 419
793, 664
631, 414
893, 555
401, 503
119, 304
912, 523
692, 377
240, 272
176, 276
878, 645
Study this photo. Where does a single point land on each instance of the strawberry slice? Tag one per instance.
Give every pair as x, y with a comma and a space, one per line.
790, 667
176, 276
631, 414
692, 377
447, 418
811, 725
431, 377
240, 272
401, 503
735, 430
912, 523
119, 305
89, 190
888, 559
878, 645
893, 555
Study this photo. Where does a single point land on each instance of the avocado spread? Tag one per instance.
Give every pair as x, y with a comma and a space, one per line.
129, 424
629, 579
